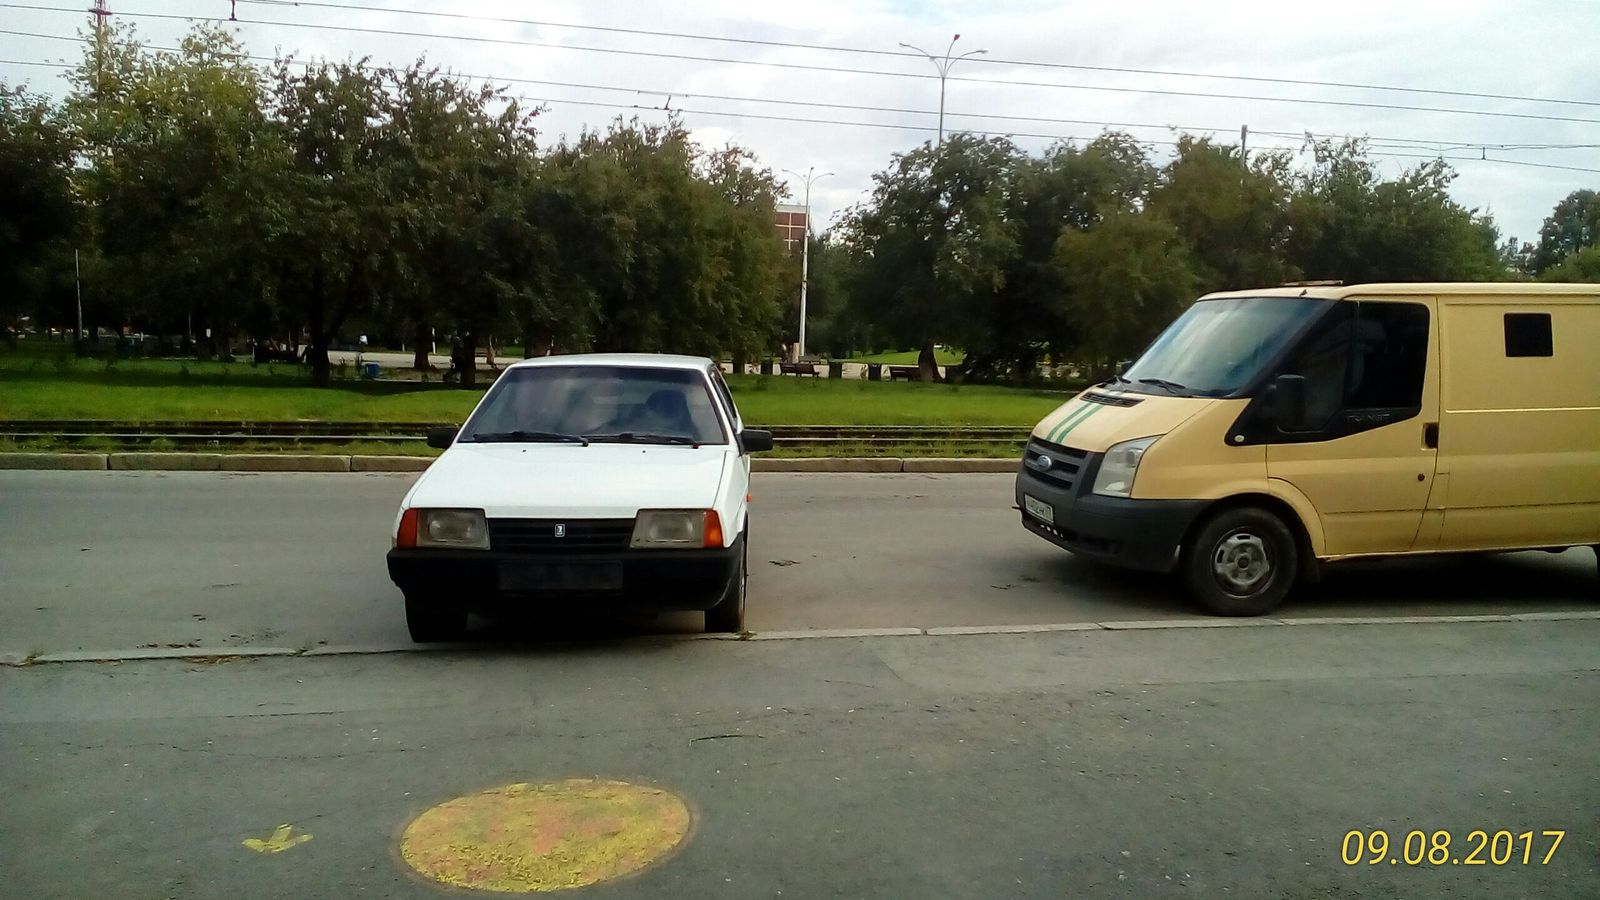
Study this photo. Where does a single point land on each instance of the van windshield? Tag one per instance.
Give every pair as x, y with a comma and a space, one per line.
1217, 346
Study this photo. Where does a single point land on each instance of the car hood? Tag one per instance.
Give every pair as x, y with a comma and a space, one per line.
1118, 416
600, 481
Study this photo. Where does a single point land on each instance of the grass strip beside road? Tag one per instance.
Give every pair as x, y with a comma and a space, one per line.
36, 385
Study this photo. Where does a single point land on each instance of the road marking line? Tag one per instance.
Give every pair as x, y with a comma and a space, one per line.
205, 653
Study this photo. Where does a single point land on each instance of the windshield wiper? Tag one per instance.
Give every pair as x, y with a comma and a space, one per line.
640, 437
1118, 379
531, 437
1172, 386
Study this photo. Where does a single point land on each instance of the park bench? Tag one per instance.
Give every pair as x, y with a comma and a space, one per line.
904, 373
799, 368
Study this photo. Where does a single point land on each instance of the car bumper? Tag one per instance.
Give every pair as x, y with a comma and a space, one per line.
1135, 534
486, 581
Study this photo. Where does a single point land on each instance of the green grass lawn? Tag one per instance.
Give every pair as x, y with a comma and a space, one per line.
944, 355
52, 385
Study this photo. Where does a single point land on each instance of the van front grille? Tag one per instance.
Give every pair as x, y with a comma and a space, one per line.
1063, 468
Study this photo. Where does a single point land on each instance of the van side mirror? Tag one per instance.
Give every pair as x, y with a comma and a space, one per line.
1289, 402
754, 440
440, 437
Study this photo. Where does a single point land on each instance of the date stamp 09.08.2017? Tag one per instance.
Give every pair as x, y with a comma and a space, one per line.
1444, 848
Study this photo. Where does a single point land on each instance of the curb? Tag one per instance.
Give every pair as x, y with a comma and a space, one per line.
18, 660
320, 462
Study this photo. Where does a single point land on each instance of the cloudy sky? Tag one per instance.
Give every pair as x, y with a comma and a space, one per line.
1046, 61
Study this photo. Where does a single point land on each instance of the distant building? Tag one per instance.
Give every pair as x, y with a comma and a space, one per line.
791, 221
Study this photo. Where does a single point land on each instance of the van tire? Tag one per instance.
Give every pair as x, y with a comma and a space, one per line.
1242, 561
432, 623
727, 617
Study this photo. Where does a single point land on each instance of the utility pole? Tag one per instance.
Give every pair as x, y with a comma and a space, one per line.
805, 254
943, 64
1244, 138
77, 279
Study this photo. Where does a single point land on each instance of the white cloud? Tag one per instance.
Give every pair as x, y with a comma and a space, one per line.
1545, 48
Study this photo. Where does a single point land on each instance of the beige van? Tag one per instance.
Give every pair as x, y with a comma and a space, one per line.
1266, 432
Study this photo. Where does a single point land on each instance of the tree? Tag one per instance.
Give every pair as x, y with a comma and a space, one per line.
38, 210
1130, 275
1066, 189
933, 244
1572, 226
1579, 266
332, 219
458, 171
1233, 217
1347, 223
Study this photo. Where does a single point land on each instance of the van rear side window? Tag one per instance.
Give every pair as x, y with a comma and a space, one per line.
1528, 334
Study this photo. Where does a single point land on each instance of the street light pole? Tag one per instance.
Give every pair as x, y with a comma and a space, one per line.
805, 255
943, 64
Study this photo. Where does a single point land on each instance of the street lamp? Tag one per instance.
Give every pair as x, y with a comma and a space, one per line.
943, 64
805, 254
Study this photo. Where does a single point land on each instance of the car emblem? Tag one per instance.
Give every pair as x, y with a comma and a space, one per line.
561, 531
1043, 462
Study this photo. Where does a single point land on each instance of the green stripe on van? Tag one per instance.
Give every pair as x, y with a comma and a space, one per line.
1081, 419
1071, 420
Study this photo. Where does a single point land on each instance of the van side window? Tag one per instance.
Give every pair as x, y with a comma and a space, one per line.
1528, 334
1390, 356
1363, 357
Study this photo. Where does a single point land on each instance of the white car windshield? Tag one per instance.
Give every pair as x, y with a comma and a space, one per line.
598, 404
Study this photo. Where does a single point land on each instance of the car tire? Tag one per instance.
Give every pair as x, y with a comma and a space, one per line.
1242, 561
727, 617
431, 623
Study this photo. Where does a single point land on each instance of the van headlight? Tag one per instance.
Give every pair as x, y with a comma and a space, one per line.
1119, 467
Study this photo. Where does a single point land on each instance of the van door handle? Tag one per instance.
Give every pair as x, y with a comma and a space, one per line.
1430, 435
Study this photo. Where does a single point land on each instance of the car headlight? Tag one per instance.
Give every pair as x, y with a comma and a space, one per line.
665, 529
1119, 467
461, 529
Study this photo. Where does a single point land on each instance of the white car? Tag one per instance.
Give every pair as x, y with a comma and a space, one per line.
590, 480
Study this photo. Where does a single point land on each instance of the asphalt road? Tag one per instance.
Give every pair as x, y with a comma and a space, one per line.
109, 561
1196, 762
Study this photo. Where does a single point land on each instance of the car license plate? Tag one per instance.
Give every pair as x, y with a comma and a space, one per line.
1039, 509
560, 576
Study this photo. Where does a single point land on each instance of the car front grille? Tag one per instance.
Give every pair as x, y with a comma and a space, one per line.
539, 536
1065, 465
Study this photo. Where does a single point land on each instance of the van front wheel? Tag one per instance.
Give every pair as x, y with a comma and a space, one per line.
1241, 562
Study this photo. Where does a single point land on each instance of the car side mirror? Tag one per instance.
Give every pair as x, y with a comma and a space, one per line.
754, 440
440, 437
1289, 402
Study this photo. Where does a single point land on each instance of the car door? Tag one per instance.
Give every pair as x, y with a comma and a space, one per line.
1368, 452
731, 411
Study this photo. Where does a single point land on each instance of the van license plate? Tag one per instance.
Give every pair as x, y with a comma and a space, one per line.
1039, 509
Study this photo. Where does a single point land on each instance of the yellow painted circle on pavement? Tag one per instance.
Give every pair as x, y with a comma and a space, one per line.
523, 838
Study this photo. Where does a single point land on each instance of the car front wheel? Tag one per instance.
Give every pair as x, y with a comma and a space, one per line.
727, 616
1242, 562
429, 623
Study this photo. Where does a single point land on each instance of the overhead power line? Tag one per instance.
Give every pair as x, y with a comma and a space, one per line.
1376, 141
868, 51
838, 69
809, 120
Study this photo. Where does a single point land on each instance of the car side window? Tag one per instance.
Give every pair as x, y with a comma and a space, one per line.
727, 397
1323, 360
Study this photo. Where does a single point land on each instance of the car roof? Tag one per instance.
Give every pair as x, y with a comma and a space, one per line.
1425, 289
628, 360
